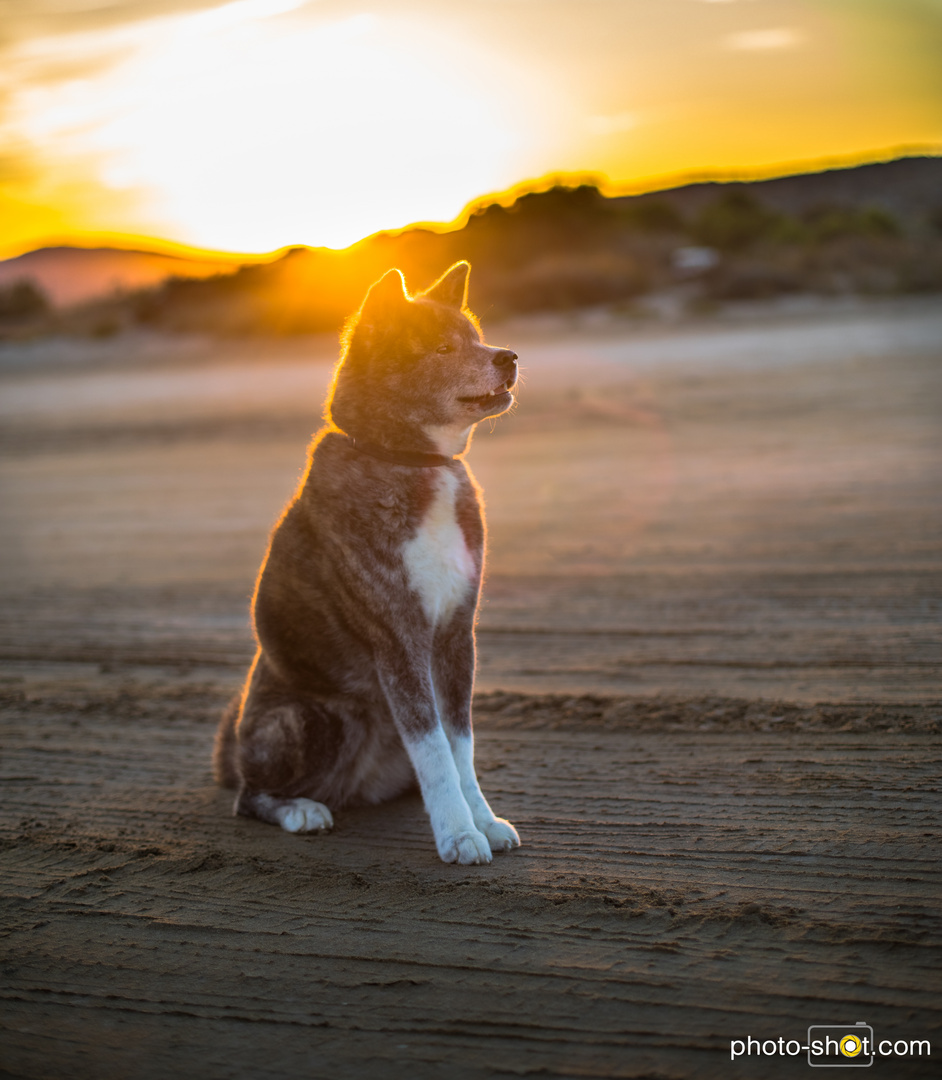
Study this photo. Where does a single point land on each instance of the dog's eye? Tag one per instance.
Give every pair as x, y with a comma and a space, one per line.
443, 348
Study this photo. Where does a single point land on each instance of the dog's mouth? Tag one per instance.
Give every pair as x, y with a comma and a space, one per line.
492, 397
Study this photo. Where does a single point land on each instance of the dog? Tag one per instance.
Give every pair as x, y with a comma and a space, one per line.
365, 604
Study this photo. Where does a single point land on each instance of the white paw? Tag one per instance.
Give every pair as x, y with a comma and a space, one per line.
304, 815
468, 848
501, 835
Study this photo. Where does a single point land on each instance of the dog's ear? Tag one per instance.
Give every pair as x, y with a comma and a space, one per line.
384, 297
451, 288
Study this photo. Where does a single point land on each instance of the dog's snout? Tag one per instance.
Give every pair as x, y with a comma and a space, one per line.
505, 359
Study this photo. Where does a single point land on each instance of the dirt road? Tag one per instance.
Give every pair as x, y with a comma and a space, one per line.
709, 700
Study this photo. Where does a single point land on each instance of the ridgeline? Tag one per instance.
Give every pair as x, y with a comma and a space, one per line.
872, 230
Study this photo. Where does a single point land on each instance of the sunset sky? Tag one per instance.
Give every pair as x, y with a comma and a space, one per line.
254, 124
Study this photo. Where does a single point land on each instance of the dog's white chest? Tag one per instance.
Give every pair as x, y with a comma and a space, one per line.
438, 564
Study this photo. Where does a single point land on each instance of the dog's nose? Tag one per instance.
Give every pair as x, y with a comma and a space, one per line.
505, 358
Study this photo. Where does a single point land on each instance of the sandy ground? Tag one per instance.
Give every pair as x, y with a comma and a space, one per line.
709, 698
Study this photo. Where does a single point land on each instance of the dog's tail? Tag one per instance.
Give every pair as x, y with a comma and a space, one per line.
225, 767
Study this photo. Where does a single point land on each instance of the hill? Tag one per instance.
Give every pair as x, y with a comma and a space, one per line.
72, 275
873, 229
909, 188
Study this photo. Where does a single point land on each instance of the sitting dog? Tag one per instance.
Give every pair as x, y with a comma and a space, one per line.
365, 604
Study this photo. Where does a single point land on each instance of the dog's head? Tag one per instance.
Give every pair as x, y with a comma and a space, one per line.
415, 372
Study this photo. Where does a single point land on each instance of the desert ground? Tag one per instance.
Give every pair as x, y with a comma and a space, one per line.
709, 698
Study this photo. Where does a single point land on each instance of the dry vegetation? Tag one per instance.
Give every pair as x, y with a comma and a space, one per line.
874, 230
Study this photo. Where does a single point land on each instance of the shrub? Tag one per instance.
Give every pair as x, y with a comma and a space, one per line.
563, 283
735, 220
653, 216
22, 301
826, 223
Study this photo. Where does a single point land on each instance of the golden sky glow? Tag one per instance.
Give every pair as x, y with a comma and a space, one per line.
254, 124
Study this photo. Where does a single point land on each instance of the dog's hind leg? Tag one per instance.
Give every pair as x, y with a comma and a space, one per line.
225, 748
293, 815
286, 753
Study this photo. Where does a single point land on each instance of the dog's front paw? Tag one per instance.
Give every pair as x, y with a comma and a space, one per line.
501, 835
303, 815
467, 848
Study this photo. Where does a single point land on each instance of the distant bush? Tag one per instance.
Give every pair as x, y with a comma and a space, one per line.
104, 327
22, 301
560, 205
564, 283
653, 216
536, 224
735, 220
826, 223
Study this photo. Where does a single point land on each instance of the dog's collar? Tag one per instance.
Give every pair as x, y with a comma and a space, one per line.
417, 459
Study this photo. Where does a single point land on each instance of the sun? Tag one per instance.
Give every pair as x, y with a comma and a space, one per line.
253, 126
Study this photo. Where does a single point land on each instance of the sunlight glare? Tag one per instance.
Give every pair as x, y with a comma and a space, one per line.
249, 127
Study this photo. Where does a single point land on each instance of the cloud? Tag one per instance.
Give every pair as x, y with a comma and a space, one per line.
763, 40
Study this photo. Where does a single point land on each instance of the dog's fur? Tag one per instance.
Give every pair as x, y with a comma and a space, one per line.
365, 604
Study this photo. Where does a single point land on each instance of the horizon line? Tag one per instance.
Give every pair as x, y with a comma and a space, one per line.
160, 246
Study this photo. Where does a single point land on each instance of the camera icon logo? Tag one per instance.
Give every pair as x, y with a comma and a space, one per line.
835, 1046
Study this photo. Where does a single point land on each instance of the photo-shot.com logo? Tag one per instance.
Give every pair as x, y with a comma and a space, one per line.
832, 1046
840, 1045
